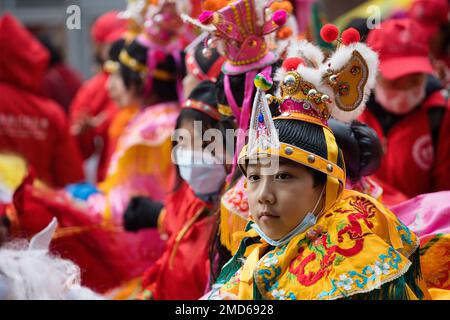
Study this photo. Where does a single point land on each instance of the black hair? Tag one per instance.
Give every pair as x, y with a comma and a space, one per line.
309, 137
205, 63
115, 50
166, 90
360, 24
360, 145
202, 93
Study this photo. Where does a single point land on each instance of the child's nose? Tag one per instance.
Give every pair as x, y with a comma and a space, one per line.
266, 193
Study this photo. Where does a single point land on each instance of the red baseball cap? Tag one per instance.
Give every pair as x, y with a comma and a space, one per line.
109, 28
402, 46
430, 14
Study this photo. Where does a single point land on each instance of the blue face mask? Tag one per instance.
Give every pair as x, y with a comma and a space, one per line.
308, 221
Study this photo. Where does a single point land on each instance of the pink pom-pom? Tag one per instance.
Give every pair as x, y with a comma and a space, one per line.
159, 56
206, 17
329, 32
351, 35
280, 17
291, 64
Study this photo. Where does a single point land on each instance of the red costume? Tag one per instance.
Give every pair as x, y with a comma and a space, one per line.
414, 137
107, 256
31, 126
412, 163
182, 272
61, 84
93, 99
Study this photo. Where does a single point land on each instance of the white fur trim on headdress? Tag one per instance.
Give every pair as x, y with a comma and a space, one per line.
209, 28
312, 54
260, 9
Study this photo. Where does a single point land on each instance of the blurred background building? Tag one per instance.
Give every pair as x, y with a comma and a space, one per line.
47, 18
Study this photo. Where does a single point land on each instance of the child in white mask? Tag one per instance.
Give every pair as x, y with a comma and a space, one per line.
188, 218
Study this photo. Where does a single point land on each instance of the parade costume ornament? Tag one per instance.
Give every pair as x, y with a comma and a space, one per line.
313, 91
33, 274
157, 25
241, 31
200, 67
356, 247
251, 35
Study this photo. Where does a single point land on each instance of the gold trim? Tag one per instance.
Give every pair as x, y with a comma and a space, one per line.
163, 75
225, 110
202, 107
300, 156
132, 63
111, 66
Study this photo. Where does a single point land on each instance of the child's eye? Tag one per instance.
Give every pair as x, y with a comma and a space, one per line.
283, 176
253, 177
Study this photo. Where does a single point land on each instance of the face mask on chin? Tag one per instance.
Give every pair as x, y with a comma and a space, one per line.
308, 221
400, 102
201, 170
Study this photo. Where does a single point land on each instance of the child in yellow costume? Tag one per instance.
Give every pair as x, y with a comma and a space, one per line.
309, 237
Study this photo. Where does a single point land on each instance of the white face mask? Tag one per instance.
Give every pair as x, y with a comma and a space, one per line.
308, 221
400, 101
201, 170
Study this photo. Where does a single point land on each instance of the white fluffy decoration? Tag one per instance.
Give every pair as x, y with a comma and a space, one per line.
307, 51
315, 73
283, 46
209, 28
30, 272
134, 11
260, 9
182, 7
35, 275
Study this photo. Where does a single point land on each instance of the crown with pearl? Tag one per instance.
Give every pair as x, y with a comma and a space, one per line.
239, 30
163, 27
312, 90
316, 89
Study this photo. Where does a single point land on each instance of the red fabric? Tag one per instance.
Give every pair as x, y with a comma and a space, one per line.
410, 164
402, 46
31, 126
106, 259
108, 28
187, 277
92, 100
431, 14
60, 84
23, 60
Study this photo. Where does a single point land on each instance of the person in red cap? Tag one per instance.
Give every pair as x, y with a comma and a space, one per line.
408, 111
92, 110
433, 16
31, 126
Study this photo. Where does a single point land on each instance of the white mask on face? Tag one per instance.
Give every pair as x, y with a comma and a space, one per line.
308, 221
400, 101
201, 170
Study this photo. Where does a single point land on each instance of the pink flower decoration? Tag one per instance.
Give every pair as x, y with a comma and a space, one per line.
280, 17
206, 17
